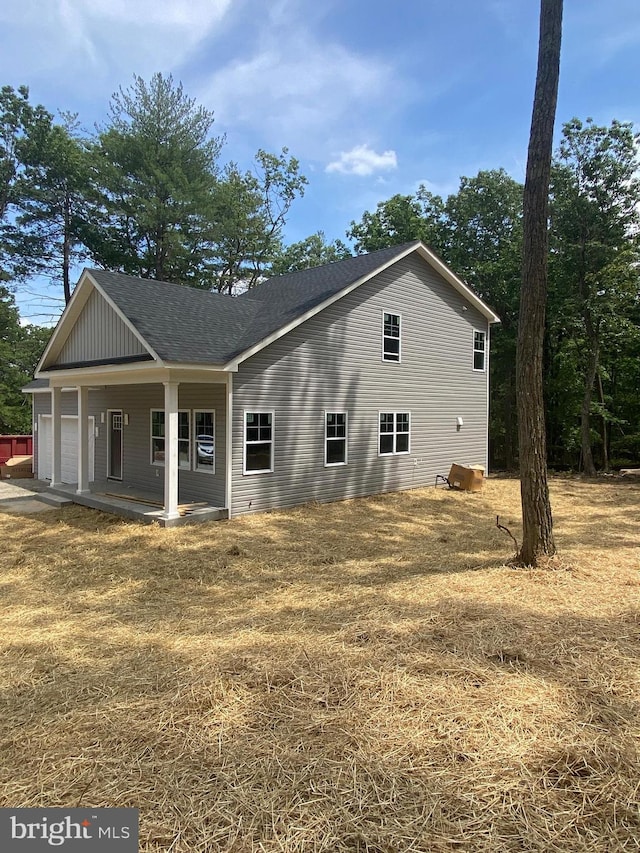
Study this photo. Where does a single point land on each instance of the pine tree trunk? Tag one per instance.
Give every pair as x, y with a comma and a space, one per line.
537, 536
66, 250
588, 465
605, 432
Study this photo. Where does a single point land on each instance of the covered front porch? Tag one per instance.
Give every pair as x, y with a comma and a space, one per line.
152, 445
138, 504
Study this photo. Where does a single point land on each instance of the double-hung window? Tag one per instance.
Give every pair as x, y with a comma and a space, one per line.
204, 430
479, 348
335, 438
394, 432
390, 336
158, 449
258, 442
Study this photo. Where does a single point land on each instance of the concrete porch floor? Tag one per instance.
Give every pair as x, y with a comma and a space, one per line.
138, 505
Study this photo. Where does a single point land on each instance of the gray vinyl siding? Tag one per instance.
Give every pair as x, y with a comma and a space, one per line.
98, 334
136, 401
333, 362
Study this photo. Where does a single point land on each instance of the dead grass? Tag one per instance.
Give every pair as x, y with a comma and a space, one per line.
362, 676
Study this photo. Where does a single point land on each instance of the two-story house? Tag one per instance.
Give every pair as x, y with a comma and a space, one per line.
362, 376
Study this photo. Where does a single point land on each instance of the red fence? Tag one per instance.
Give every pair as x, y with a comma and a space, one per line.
15, 445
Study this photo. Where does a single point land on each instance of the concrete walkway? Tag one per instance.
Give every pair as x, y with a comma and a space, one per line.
22, 496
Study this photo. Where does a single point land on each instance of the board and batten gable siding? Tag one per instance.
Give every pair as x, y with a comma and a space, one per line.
333, 362
136, 401
99, 334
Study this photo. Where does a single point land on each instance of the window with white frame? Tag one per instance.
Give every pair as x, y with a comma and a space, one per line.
258, 442
394, 433
204, 433
335, 438
390, 336
158, 449
479, 347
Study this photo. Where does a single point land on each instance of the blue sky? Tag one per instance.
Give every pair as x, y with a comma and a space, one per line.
372, 97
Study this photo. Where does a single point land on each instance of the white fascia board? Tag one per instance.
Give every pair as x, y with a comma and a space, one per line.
70, 316
214, 368
140, 373
65, 389
425, 253
457, 283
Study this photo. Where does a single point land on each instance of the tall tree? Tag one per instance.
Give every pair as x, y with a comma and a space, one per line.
537, 537
595, 219
20, 124
55, 210
248, 214
157, 166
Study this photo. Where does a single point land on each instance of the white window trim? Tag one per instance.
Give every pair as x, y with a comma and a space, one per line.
244, 440
392, 360
484, 352
394, 433
182, 440
346, 437
194, 454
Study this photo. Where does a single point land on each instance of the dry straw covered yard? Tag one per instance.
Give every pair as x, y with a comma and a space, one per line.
361, 676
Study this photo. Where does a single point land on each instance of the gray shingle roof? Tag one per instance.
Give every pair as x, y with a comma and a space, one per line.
36, 385
186, 325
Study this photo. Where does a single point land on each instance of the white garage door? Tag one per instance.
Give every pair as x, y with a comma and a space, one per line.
69, 448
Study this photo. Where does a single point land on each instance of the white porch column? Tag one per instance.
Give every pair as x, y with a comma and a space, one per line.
228, 465
170, 450
83, 439
56, 436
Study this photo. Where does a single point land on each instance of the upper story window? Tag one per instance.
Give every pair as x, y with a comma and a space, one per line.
258, 442
335, 438
394, 433
479, 350
390, 336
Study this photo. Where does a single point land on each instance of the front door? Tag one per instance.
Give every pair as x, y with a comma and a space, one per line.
114, 448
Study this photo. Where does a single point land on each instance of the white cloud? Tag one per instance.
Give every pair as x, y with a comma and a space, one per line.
362, 160
309, 94
81, 40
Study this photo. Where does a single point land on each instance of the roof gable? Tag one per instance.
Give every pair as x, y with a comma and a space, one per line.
175, 324
92, 331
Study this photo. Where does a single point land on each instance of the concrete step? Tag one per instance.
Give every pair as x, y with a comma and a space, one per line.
53, 500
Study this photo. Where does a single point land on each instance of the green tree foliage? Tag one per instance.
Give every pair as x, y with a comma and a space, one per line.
478, 233
313, 251
21, 124
595, 219
20, 350
156, 168
484, 247
249, 214
55, 210
401, 219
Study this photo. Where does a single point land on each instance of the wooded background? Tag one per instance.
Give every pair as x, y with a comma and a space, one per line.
149, 194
